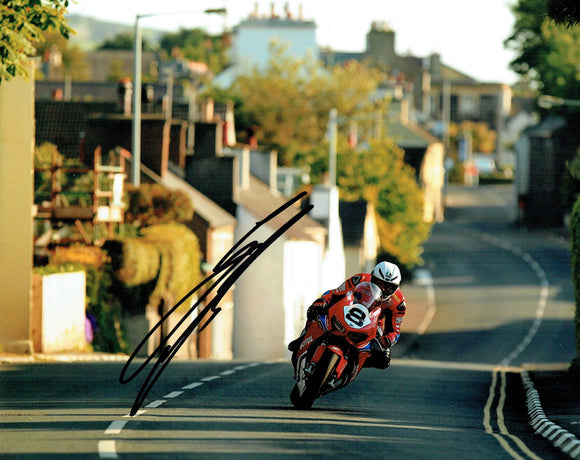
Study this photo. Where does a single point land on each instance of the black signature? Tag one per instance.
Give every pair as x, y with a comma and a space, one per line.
230, 267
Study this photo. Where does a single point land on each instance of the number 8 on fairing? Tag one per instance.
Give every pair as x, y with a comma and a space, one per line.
356, 316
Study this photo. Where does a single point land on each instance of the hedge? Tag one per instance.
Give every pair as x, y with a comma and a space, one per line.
575, 262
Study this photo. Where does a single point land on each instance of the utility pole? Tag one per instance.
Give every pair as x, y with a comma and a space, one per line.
332, 148
137, 70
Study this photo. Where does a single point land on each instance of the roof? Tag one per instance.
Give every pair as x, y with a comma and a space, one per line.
213, 214
410, 136
352, 216
259, 201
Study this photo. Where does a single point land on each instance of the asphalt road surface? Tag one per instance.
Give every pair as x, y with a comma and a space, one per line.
503, 297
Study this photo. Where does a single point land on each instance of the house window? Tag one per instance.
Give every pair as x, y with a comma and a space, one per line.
467, 104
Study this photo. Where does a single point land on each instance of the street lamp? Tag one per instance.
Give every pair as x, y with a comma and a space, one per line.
137, 70
547, 102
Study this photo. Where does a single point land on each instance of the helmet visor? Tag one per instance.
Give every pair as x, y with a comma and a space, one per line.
387, 288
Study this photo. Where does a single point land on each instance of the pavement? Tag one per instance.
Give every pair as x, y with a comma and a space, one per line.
552, 397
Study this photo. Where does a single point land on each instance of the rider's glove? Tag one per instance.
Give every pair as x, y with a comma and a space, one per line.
381, 354
317, 308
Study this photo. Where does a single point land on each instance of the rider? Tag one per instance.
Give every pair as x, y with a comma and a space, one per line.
387, 277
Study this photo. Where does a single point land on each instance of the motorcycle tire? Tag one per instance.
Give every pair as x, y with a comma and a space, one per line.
315, 382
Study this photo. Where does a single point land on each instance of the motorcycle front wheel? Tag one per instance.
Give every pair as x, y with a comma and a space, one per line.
315, 382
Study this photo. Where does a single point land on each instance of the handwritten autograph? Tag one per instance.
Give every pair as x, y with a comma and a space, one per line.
230, 267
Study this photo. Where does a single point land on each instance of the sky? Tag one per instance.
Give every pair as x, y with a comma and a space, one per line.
468, 35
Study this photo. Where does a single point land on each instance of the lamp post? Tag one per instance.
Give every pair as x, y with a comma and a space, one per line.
137, 70
547, 102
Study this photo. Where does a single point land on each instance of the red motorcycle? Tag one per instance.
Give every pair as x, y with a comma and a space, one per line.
336, 345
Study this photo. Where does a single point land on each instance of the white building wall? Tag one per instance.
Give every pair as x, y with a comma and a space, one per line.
258, 297
253, 42
302, 284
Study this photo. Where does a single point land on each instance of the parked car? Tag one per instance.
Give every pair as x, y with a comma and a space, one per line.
484, 163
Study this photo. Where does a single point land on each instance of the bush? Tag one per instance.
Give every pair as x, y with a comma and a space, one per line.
381, 176
163, 264
575, 262
152, 204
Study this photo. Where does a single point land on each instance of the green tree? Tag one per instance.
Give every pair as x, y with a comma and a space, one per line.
123, 41
290, 101
21, 25
380, 175
548, 53
73, 58
566, 12
197, 45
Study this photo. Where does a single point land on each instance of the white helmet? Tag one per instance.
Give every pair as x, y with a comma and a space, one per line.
387, 277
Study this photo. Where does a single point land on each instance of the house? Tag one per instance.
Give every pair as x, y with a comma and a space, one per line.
253, 37
360, 235
273, 293
542, 153
214, 228
425, 153
429, 84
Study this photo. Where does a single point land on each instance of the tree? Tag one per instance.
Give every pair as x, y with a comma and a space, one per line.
548, 53
123, 41
290, 101
197, 45
21, 25
566, 12
380, 176
72, 57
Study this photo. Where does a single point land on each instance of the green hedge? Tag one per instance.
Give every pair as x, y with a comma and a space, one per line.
575, 240
162, 265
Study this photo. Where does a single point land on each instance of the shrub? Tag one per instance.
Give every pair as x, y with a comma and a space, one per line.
165, 258
152, 204
575, 262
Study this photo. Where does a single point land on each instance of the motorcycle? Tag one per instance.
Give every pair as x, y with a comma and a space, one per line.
336, 345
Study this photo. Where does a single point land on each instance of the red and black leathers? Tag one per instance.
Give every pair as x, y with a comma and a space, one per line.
393, 309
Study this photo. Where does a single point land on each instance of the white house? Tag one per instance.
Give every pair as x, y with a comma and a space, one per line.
272, 294
253, 37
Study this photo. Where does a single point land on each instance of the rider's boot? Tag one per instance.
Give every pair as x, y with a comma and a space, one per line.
295, 344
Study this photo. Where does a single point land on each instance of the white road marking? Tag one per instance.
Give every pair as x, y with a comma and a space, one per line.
504, 434
116, 426
191, 386
107, 449
156, 403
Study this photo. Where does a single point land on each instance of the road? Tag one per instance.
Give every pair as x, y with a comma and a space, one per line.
503, 297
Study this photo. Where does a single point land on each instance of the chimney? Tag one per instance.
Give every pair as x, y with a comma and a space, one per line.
243, 158
404, 111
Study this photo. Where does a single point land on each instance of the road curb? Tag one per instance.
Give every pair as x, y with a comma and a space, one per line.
558, 436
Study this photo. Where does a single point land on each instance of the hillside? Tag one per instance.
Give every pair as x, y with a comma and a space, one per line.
90, 32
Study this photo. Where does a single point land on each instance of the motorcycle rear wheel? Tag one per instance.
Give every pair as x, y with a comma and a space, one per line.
315, 382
